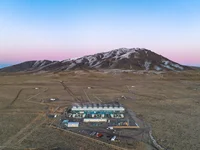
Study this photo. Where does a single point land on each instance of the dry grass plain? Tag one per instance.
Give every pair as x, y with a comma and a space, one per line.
169, 102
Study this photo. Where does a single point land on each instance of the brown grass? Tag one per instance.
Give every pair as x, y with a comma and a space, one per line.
168, 102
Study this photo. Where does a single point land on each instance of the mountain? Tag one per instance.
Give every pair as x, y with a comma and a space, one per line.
123, 58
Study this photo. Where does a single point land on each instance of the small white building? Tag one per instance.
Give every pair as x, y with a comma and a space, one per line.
52, 99
94, 120
73, 124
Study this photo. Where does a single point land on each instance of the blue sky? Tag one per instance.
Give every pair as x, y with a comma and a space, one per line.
60, 29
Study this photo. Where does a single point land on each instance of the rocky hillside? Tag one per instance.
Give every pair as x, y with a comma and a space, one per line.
123, 58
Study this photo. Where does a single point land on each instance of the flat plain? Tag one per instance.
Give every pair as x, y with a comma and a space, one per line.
169, 102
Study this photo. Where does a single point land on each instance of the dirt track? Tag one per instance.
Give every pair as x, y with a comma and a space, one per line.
15, 97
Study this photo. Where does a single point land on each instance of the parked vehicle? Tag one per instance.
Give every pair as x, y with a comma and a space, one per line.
99, 135
113, 138
93, 133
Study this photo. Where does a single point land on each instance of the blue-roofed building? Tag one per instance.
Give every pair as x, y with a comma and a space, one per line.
97, 110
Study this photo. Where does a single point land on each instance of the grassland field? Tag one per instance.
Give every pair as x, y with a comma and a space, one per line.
169, 102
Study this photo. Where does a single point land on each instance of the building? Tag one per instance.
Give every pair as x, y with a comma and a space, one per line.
94, 120
114, 110
73, 124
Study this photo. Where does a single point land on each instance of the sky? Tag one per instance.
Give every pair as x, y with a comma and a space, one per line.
61, 29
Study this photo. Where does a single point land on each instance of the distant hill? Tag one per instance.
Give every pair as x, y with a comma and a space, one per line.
122, 58
195, 67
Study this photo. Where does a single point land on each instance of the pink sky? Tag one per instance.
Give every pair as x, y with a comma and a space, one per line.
14, 56
57, 30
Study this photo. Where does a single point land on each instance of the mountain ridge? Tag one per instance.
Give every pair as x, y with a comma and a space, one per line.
122, 58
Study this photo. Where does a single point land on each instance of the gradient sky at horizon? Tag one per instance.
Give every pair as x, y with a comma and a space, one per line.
61, 29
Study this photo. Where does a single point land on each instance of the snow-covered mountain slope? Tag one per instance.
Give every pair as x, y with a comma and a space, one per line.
123, 58
27, 66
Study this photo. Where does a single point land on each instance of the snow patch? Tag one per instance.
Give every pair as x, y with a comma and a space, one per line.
71, 66
166, 62
147, 64
91, 59
177, 66
126, 55
40, 63
106, 55
70, 59
168, 67
66, 60
43, 63
37, 63
79, 60
172, 66
157, 68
